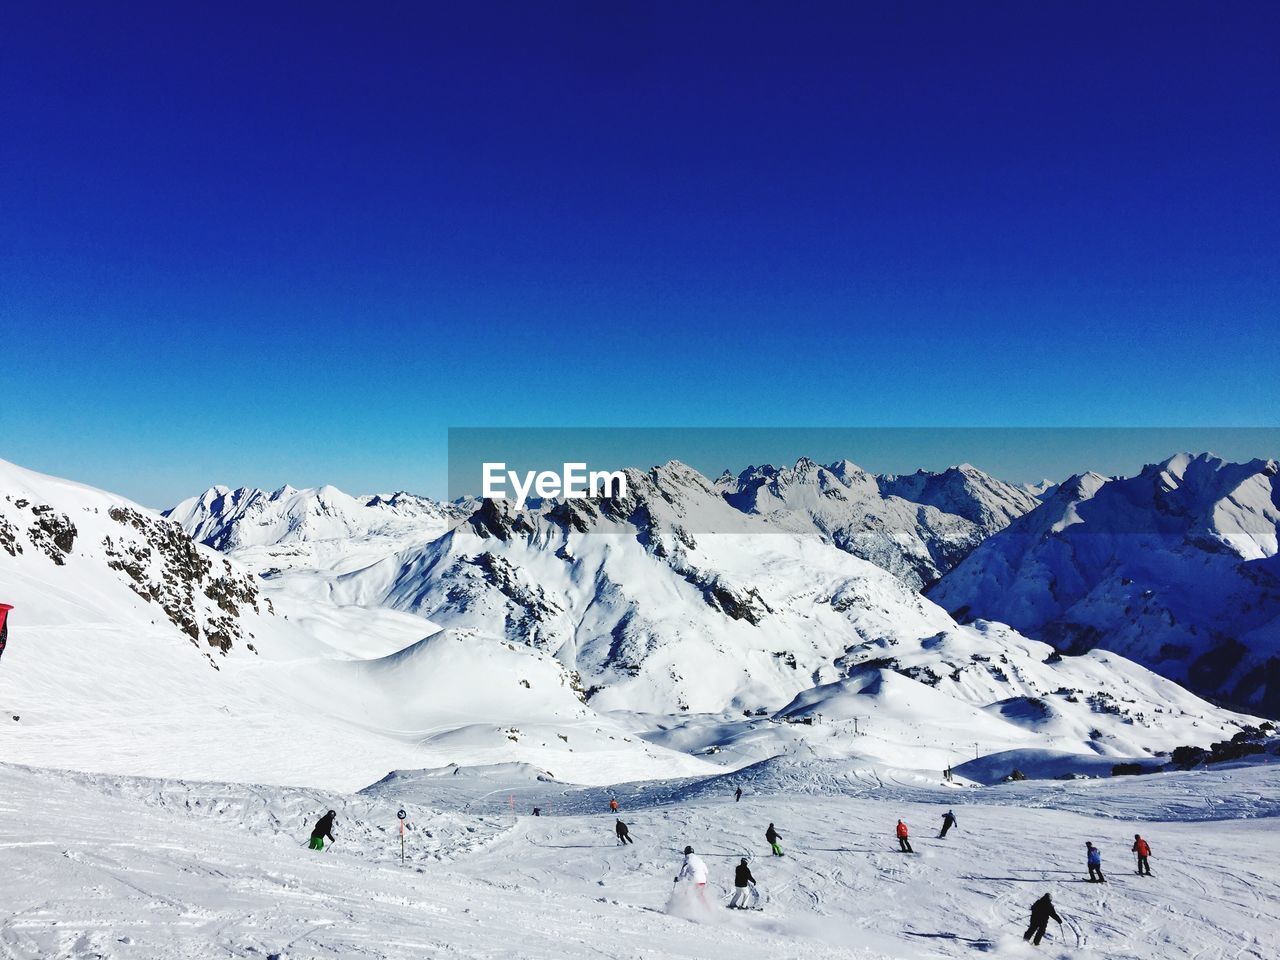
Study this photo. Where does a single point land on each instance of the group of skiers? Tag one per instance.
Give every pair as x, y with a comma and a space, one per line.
1042, 910
693, 869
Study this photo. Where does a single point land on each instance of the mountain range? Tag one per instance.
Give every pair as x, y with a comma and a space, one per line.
823, 607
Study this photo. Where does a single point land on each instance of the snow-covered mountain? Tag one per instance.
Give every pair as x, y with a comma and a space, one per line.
657, 619
1041, 489
304, 538
78, 549
916, 527
964, 491
1175, 568
229, 520
561, 636
133, 649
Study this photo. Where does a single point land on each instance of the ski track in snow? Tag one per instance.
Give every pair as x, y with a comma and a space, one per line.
120, 867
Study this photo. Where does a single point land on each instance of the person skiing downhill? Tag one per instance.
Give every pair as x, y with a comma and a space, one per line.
613, 804
948, 821
322, 829
744, 887
1143, 850
902, 833
737, 795
1041, 913
1093, 857
773, 837
624, 835
694, 871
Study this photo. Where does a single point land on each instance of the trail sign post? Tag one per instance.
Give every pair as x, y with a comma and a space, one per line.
400, 815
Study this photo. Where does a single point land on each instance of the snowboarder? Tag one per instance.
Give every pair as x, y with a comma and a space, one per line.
948, 821
613, 804
4, 625
772, 836
737, 795
537, 811
694, 871
903, 843
1093, 856
624, 835
1041, 912
322, 829
744, 887
1143, 850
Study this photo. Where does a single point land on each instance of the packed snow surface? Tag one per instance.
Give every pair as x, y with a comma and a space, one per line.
130, 869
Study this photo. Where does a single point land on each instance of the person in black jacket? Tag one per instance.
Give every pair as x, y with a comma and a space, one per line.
323, 828
744, 887
1041, 913
948, 821
772, 836
624, 835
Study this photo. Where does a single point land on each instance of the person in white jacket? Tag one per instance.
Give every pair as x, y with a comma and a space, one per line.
694, 871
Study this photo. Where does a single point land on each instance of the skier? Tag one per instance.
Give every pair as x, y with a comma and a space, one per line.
737, 795
537, 811
4, 625
694, 871
903, 843
624, 835
1143, 850
1041, 911
613, 804
744, 887
948, 821
772, 836
1093, 857
322, 829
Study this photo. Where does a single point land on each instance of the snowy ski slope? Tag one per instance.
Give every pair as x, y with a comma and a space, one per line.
125, 869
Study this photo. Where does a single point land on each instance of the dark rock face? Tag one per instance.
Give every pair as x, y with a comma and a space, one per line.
165, 567
53, 533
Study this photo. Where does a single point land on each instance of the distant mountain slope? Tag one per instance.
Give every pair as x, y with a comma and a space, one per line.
1176, 568
916, 527
964, 491
228, 520
304, 538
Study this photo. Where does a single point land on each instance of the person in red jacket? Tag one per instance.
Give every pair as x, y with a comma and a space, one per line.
4, 625
903, 843
1143, 850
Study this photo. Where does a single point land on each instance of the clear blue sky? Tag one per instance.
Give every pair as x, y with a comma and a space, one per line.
258, 243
